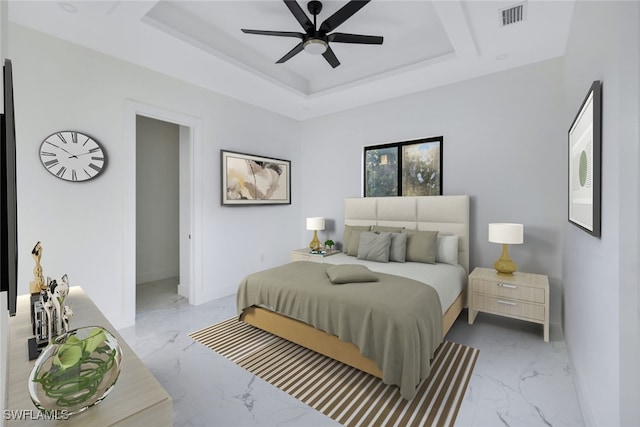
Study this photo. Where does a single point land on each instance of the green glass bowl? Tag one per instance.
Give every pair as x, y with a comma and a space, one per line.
77, 371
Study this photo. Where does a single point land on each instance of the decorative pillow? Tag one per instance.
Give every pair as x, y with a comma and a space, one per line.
354, 242
385, 229
350, 273
348, 231
421, 246
447, 249
374, 246
398, 249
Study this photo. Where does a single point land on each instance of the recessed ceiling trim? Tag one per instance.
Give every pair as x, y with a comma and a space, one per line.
447, 57
175, 22
456, 24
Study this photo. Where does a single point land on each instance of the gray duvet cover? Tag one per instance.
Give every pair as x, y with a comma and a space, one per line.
396, 322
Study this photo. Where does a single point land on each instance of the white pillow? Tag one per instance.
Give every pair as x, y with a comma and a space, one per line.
447, 249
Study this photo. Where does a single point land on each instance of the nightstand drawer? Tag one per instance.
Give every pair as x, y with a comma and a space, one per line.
509, 290
508, 307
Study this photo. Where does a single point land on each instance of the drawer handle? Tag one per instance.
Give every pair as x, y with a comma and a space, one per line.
506, 302
504, 285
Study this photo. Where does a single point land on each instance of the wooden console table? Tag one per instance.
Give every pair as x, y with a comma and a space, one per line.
137, 399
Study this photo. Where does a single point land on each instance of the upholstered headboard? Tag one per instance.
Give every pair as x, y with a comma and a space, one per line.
446, 214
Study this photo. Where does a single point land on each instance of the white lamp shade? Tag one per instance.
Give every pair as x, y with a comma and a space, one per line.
315, 223
506, 233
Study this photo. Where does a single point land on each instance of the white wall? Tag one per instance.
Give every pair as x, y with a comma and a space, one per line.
503, 145
59, 85
601, 275
157, 200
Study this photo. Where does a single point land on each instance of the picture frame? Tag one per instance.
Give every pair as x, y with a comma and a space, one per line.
407, 168
249, 179
585, 163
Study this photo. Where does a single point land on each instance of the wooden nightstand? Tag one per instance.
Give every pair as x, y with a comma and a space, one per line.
304, 255
522, 296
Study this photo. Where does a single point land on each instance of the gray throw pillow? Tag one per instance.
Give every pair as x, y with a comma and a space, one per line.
350, 273
421, 246
348, 231
447, 251
398, 249
374, 246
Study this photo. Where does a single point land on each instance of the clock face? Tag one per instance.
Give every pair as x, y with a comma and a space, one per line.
72, 156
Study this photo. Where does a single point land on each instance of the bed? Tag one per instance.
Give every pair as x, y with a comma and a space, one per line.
448, 215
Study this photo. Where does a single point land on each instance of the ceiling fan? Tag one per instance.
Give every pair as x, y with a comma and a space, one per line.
315, 40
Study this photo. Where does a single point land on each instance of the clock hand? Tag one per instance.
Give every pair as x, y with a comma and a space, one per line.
83, 154
72, 155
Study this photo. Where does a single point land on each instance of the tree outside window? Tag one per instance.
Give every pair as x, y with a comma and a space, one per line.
410, 168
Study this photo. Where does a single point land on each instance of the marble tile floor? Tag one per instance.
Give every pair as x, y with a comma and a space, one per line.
158, 295
518, 380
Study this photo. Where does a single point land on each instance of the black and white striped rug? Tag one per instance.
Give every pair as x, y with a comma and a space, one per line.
347, 395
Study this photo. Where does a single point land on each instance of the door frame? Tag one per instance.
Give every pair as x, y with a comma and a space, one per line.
194, 139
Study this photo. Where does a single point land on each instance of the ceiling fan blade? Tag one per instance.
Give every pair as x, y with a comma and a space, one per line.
274, 33
299, 14
293, 52
332, 22
331, 57
354, 38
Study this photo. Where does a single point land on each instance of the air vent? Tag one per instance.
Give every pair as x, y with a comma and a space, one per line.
512, 14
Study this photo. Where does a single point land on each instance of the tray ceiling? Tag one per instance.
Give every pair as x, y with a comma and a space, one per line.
426, 44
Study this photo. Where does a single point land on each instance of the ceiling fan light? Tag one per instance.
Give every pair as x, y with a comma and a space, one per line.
315, 46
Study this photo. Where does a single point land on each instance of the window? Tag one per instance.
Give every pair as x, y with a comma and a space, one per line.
410, 168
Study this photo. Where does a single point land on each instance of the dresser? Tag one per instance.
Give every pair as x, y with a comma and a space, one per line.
523, 296
137, 399
304, 255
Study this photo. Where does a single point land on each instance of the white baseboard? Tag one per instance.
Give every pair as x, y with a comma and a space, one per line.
183, 290
213, 294
157, 275
585, 407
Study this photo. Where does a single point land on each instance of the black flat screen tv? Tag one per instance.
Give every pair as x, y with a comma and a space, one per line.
9, 208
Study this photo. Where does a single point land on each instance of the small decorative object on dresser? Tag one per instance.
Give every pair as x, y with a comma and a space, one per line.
522, 296
315, 224
506, 234
76, 371
49, 316
305, 254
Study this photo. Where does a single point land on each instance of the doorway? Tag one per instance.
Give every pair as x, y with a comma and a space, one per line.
189, 143
157, 214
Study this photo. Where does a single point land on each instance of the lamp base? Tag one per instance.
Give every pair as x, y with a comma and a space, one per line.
504, 264
315, 243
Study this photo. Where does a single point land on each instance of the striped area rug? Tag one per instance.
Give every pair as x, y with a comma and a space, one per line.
345, 394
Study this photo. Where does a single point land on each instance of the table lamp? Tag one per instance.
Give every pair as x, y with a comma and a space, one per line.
315, 223
506, 234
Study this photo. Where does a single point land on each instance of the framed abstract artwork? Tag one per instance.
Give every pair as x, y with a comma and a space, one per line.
254, 180
409, 168
585, 164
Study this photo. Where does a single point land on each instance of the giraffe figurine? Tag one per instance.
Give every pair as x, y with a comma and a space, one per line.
37, 284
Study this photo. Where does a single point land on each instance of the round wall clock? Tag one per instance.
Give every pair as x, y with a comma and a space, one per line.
72, 156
